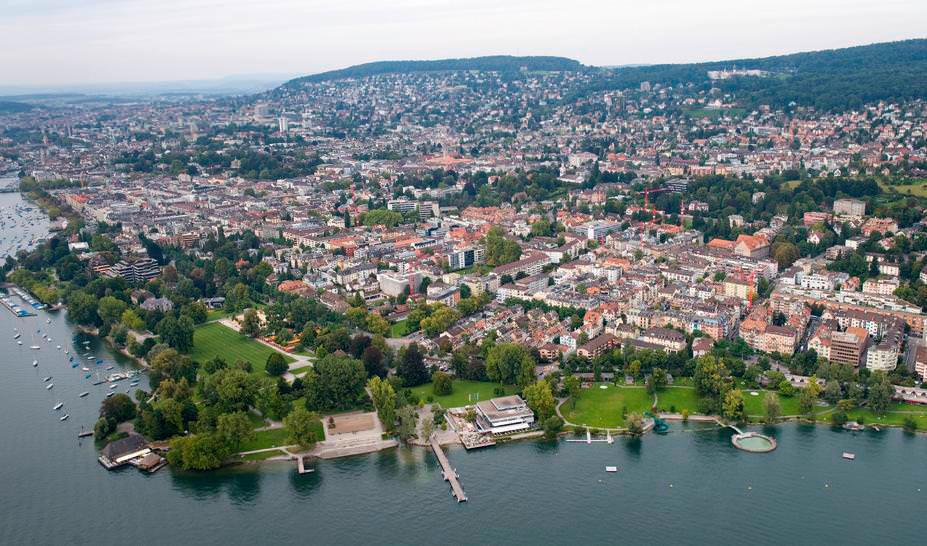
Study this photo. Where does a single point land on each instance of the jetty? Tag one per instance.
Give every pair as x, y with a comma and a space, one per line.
301, 465
450, 475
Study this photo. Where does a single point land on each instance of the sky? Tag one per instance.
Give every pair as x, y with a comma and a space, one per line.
68, 42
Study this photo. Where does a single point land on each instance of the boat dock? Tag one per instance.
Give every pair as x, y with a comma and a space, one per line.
15, 308
450, 475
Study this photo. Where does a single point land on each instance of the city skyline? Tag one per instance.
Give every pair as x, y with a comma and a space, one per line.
126, 41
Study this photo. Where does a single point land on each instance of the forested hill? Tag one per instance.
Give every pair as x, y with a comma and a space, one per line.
836, 79
498, 63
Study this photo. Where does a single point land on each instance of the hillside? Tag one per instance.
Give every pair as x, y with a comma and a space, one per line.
499, 63
834, 79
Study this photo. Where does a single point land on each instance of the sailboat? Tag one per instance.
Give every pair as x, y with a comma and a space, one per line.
47, 379
35, 363
50, 386
17, 336
65, 417
83, 394
59, 405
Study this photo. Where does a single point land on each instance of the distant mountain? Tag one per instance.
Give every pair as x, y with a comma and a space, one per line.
13, 107
835, 79
498, 63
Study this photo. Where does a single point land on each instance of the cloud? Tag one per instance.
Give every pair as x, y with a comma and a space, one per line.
71, 41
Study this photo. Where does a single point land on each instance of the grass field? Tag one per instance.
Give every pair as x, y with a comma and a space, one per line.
399, 329
264, 439
676, 399
598, 407
216, 340
300, 371
917, 189
462, 389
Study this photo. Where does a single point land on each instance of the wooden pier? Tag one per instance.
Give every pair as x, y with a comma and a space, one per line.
450, 475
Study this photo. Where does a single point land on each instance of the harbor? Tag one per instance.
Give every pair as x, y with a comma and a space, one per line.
449, 473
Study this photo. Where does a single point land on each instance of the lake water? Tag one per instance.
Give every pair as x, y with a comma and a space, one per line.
690, 486
21, 222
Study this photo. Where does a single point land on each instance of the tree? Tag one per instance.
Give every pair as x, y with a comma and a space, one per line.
771, 407
251, 324
659, 378
197, 452
442, 384
572, 386
412, 366
384, 400
234, 429
880, 392
407, 416
552, 427
711, 382
82, 308
442, 318
110, 310
500, 250
302, 426
372, 358
132, 321
118, 408
335, 383
733, 408
785, 254
540, 399
635, 424
276, 364
177, 332
377, 324
510, 363
806, 401
427, 426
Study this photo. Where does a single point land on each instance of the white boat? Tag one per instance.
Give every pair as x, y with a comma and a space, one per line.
50, 386
19, 342
849, 456
65, 417
611, 469
35, 363
59, 347
59, 405
17, 336
47, 379
85, 368
113, 386
83, 394
109, 394
35, 347
48, 321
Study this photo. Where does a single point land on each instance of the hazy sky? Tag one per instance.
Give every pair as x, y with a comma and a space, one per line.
50, 42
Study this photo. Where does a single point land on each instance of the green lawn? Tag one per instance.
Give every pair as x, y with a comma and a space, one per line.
264, 439
598, 407
216, 340
216, 314
299, 371
917, 189
462, 390
399, 329
675, 399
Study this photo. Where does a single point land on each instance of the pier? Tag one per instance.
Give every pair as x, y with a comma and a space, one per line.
301, 465
450, 475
